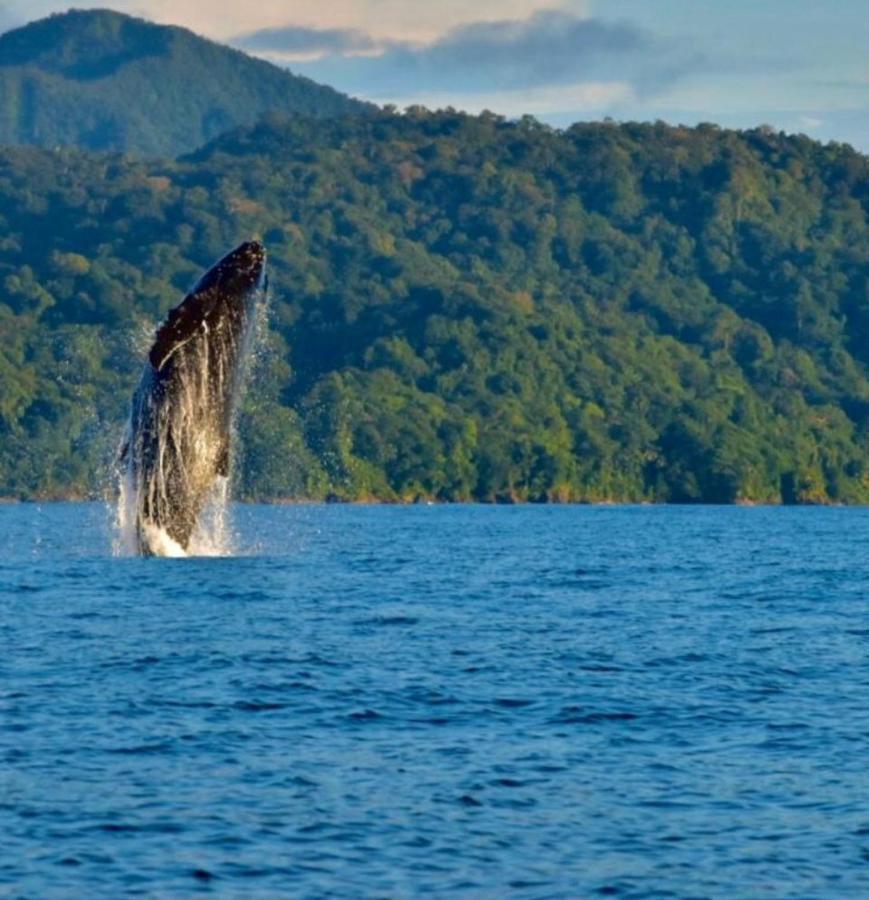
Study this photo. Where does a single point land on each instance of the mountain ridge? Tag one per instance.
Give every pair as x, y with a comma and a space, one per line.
103, 80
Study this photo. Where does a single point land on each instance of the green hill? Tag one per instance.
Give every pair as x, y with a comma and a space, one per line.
105, 81
464, 308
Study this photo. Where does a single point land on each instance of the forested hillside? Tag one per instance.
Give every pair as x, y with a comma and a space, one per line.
105, 81
463, 308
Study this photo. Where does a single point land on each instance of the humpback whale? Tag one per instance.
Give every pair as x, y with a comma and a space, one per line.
179, 436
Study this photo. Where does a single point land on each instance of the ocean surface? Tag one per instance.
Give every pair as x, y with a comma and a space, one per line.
439, 701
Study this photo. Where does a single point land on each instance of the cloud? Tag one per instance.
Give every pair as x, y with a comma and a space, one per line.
547, 49
385, 20
301, 41
547, 39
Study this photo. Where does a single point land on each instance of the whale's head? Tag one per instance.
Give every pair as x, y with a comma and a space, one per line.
223, 295
238, 273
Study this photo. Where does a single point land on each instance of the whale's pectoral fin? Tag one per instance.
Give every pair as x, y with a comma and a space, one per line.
180, 326
223, 461
124, 452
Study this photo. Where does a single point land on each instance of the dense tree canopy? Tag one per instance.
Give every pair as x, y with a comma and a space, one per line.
463, 308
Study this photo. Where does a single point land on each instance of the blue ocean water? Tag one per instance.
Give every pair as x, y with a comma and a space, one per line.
446, 701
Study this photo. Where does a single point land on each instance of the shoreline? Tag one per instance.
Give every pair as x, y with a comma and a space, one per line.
370, 501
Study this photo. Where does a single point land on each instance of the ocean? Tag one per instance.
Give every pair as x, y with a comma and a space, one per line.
447, 701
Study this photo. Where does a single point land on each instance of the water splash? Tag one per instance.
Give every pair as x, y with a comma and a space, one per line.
212, 536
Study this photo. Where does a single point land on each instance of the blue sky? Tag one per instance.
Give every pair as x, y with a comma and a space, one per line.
794, 64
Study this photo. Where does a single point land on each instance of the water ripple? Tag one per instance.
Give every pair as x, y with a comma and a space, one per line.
477, 702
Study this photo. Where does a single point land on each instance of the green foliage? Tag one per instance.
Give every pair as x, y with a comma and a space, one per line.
106, 81
463, 308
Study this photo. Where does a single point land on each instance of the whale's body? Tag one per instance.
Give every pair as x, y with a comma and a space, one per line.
180, 430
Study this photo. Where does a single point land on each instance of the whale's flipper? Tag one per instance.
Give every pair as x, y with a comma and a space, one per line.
181, 326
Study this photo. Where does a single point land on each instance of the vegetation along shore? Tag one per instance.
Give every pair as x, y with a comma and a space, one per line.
463, 308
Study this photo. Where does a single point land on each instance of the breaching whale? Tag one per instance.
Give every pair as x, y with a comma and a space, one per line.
178, 440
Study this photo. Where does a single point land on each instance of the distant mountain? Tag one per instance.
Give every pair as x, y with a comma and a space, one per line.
101, 80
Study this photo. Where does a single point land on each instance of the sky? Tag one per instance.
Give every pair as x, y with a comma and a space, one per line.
798, 65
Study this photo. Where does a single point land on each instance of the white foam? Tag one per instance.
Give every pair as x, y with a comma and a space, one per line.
159, 543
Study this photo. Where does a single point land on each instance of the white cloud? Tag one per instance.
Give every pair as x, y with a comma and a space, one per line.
544, 62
